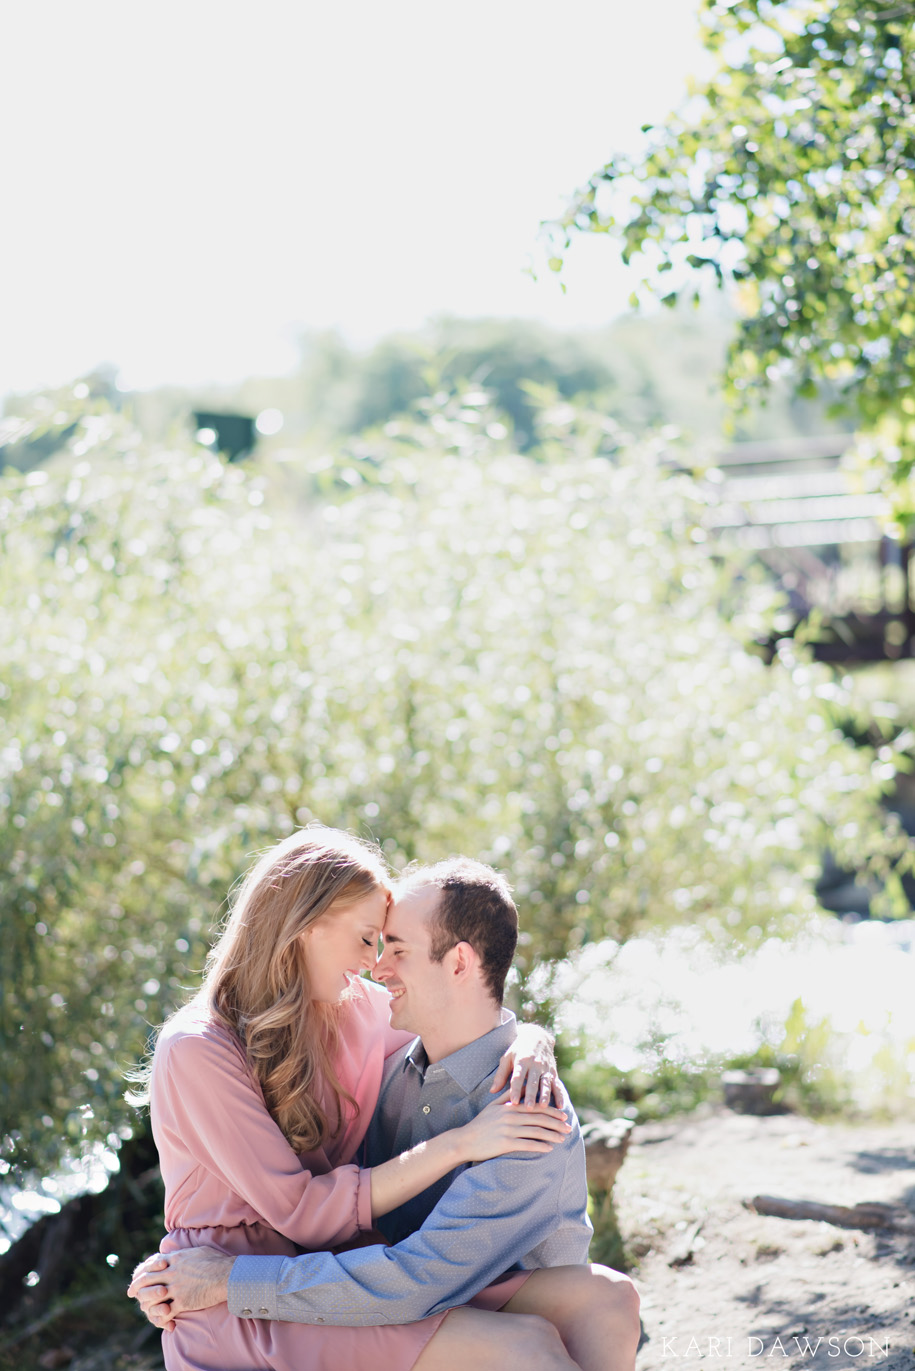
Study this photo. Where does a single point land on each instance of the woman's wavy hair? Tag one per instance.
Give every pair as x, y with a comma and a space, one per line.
256, 980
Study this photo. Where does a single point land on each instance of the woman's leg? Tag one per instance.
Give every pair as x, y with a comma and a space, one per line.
595, 1310
492, 1342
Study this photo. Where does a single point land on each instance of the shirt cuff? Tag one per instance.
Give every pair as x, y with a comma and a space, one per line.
253, 1287
364, 1220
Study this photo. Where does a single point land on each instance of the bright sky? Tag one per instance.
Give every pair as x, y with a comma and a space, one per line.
189, 184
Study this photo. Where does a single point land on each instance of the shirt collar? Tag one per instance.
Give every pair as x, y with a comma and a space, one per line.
470, 1065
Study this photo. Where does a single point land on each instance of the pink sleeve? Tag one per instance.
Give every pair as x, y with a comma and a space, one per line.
219, 1115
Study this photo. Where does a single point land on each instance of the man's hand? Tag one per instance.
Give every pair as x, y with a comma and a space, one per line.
194, 1278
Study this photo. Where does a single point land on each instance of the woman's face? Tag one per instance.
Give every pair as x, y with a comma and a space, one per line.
343, 942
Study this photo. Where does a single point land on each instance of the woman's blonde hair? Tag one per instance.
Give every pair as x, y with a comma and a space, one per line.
256, 979
256, 976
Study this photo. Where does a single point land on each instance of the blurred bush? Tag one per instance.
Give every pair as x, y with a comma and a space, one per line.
825, 1071
454, 647
670, 1087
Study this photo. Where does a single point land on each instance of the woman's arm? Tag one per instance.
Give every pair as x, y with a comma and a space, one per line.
204, 1094
205, 1102
500, 1128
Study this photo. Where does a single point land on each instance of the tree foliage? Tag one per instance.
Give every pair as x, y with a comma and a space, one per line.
647, 371
789, 174
456, 648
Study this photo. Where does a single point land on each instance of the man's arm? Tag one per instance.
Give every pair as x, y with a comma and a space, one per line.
488, 1220
191, 1278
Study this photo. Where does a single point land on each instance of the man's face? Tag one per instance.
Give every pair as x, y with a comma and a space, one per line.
419, 986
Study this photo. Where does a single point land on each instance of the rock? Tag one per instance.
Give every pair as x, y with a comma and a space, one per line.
751, 1092
55, 1357
606, 1145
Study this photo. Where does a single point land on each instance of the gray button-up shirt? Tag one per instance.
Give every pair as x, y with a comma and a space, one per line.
526, 1209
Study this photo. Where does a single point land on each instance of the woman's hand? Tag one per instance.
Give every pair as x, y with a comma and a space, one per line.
505, 1127
528, 1067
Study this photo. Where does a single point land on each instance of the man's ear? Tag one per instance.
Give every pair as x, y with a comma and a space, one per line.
464, 961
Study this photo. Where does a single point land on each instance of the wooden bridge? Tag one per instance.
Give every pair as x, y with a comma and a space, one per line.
791, 504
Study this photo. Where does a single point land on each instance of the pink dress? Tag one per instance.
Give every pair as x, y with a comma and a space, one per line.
233, 1182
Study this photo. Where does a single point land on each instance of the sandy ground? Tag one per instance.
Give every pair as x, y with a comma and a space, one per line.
768, 1288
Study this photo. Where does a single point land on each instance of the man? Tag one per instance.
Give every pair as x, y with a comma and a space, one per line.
449, 940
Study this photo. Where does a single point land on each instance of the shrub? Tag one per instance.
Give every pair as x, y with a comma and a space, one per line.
453, 648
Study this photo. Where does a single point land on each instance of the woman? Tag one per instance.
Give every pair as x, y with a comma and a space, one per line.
261, 1090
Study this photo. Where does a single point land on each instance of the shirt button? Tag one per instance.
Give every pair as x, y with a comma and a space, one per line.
264, 1311
246, 1313
426, 1108
319, 1320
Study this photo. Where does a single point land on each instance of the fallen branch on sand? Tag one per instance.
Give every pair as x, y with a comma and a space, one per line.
886, 1216
681, 1254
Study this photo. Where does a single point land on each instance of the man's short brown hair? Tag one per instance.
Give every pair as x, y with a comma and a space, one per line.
476, 907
